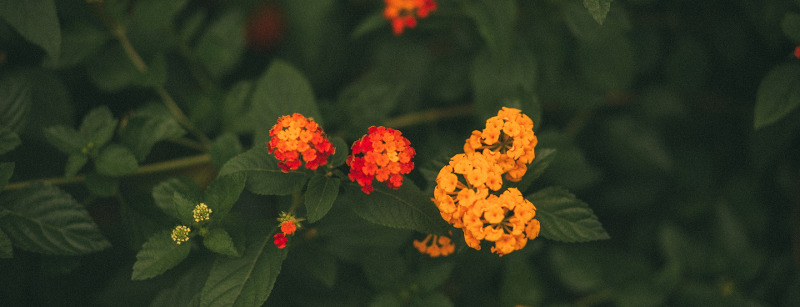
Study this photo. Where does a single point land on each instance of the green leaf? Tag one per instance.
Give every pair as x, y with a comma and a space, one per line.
505, 81
115, 160
369, 24
244, 281
111, 70
432, 299
148, 126
164, 196
223, 193
235, 108
565, 218
521, 285
98, 126
320, 195
6, 170
791, 26
223, 148
404, 208
342, 151
36, 21
219, 241
6, 250
100, 185
428, 278
78, 43
43, 219
75, 163
778, 95
186, 290
539, 164
8, 140
283, 90
159, 254
222, 45
607, 63
264, 177
495, 20
183, 208
598, 8
16, 99
65, 139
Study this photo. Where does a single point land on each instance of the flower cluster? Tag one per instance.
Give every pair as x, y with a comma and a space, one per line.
382, 154
295, 138
180, 234
797, 52
467, 190
201, 212
435, 246
288, 226
404, 13
509, 138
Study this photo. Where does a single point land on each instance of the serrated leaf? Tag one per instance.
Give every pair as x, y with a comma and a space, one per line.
100, 185
36, 21
778, 94
6, 249
159, 254
6, 170
342, 151
264, 177
164, 196
148, 126
65, 139
404, 208
219, 241
183, 208
283, 90
75, 163
598, 8
244, 281
8, 140
115, 160
539, 164
98, 126
43, 219
223, 193
223, 148
565, 218
221, 46
320, 195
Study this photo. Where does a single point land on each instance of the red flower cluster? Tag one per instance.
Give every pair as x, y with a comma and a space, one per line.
280, 240
403, 13
382, 154
295, 136
289, 225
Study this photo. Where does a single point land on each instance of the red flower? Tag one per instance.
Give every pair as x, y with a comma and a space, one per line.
280, 240
295, 137
797, 52
403, 13
382, 154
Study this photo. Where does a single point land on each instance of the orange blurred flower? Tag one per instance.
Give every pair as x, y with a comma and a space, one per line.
404, 13
435, 246
382, 154
509, 138
295, 139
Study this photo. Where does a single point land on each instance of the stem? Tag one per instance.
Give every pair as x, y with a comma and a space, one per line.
143, 170
428, 116
297, 200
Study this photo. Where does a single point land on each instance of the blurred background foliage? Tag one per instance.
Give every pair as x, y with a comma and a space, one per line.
651, 109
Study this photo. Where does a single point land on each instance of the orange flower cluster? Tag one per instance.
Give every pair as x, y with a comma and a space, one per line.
382, 154
435, 246
289, 225
509, 138
404, 13
295, 137
467, 190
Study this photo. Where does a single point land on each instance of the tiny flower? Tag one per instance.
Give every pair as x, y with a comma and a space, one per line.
180, 234
382, 154
289, 223
403, 13
288, 227
201, 212
296, 139
435, 246
280, 240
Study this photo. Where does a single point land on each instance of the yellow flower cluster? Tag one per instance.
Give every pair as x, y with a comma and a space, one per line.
467, 190
201, 212
180, 234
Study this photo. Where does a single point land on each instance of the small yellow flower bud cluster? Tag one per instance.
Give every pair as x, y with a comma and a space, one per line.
180, 234
201, 213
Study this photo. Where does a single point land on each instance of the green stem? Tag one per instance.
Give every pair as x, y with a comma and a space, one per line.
297, 200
